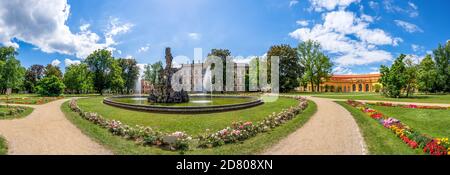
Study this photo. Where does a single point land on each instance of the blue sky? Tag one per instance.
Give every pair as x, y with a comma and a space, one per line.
358, 35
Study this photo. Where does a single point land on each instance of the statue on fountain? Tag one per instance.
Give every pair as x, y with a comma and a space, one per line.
163, 92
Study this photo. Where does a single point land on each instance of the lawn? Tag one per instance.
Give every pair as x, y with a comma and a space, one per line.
444, 99
193, 124
432, 122
5, 112
3, 146
379, 140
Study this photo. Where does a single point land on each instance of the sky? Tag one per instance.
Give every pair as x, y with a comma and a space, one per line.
358, 35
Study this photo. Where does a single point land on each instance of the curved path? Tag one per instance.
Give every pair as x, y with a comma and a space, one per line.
330, 131
46, 131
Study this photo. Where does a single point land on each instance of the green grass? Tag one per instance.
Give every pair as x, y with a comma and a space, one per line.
3, 146
251, 146
445, 99
193, 124
435, 123
23, 114
379, 140
213, 101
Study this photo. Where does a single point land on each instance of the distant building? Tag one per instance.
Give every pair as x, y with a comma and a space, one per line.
194, 74
346, 83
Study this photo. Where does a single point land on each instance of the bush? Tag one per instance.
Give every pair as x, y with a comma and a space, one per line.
50, 86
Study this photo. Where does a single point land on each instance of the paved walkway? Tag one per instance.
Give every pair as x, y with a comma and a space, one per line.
46, 131
397, 102
331, 131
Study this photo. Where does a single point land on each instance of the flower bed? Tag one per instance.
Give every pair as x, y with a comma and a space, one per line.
6, 111
30, 100
410, 106
414, 139
240, 131
139, 134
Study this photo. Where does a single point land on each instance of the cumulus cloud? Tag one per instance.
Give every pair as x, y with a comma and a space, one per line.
56, 62
42, 23
194, 36
69, 62
293, 3
303, 22
321, 5
349, 38
409, 27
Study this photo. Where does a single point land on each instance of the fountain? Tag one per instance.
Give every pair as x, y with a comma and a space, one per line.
163, 93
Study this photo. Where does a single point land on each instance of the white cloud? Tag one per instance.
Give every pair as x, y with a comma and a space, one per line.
69, 62
42, 23
56, 62
129, 57
409, 27
349, 38
412, 5
342, 70
374, 5
303, 22
321, 5
411, 9
195, 36
293, 3
144, 48
417, 48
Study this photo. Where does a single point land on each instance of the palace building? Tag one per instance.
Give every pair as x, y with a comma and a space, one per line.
347, 83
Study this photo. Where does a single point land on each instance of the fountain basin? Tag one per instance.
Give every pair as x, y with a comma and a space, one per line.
197, 104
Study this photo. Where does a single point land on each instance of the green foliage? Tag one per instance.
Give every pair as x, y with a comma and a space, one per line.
11, 71
50, 86
222, 54
442, 61
289, 66
105, 71
411, 70
377, 87
427, 75
32, 77
393, 79
51, 70
77, 78
130, 73
152, 72
316, 64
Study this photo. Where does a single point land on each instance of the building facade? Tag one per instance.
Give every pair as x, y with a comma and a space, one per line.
346, 83
193, 75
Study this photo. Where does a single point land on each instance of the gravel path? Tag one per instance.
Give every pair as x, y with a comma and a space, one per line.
46, 131
331, 131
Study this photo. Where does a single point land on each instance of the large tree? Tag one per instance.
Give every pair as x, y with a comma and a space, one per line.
427, 75
104, 70
50, 86
53, 70
77, 78
393, 79
289, 66
411, 70
11, 71
130, 73
152, 73
317, 66
32, 77
442, 61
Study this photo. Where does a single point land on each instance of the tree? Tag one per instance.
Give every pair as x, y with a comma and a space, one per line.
50, 86
130, 73
410, 74
442, 61
77, 78
323, 69
427, 75
317, 66
104, 70
289, 66
53, 70
152, 73
393, 79
11, 72
222, 54
32, 77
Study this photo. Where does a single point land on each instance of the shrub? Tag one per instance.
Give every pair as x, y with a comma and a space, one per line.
50, 86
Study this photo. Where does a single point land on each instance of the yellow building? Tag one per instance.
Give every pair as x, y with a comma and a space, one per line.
347, 83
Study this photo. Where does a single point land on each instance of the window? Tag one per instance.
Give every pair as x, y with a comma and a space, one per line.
360, 88
367, 87
354, 87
